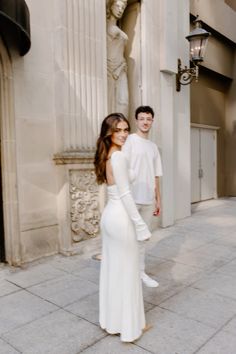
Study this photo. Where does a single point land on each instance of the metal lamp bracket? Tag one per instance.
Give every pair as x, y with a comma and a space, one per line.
185, 75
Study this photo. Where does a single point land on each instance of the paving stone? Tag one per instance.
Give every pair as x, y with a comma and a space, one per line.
221, 343
201, 259
89, 273
229, 268
160, 234
224, 220
173, 334
192, 311
208, 256
87, 308
58, 333
70, 264
152, 262
113, 345
207, 205
231, 326
33, 274
176, 272
213, 224
7, 288
185, 240
206, 307
194, 222
219, 251
166, 289
64, 290
21, 307
148, 306
229, 240
6, 348
221, 284
165, 252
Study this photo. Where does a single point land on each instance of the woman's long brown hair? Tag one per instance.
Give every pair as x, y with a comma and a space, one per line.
108, 127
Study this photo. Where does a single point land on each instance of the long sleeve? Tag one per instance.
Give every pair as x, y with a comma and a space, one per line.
120, 173
126, 149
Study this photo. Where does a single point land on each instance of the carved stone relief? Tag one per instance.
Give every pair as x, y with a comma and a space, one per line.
84, 208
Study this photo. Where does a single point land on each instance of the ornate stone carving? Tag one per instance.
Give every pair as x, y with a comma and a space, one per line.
84, 205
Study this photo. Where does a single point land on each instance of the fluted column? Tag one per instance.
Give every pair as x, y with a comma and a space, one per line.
80, 73
9, 161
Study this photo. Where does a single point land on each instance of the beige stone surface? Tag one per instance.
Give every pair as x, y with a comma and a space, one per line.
37, 243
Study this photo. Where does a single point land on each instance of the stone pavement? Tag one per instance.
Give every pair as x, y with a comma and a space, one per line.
51, 306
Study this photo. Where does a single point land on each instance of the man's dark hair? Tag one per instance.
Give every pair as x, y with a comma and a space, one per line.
144, 109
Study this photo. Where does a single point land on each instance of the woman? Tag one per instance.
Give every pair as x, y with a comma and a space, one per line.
118, 96
121, 299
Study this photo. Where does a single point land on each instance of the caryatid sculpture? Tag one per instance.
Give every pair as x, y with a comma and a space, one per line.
118, 94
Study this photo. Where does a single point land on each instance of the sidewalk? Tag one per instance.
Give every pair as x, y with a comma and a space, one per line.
51, 306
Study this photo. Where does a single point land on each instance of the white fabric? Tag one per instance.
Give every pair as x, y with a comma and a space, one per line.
121, 176
120, 296
144, 158
146, 212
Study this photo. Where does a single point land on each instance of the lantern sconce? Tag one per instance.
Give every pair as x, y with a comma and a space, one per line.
198, 39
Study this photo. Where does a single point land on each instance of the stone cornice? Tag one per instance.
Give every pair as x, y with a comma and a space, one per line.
74, 157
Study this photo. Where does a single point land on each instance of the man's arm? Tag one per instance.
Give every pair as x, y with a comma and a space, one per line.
157, 210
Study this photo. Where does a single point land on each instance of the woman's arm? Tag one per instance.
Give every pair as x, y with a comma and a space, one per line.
120, 173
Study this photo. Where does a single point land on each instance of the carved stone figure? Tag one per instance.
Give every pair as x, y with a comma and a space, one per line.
118, 95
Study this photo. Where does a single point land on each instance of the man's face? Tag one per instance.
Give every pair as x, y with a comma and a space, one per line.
144, 122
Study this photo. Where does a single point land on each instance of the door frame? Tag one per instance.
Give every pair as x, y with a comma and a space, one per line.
10, 198
215, 128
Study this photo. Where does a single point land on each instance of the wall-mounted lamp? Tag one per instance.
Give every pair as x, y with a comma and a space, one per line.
198, 39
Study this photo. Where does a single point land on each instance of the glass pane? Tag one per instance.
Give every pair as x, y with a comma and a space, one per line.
197, 48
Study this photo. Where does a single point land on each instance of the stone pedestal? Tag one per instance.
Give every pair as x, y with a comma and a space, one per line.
78, 200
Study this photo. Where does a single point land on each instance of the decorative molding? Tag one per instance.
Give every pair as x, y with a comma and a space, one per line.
74, 157
205, 126
84, 208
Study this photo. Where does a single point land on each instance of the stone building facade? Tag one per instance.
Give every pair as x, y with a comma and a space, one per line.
54, 98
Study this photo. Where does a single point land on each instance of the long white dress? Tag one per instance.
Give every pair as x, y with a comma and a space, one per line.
121, 298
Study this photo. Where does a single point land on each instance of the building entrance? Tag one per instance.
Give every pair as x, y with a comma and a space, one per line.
203, 164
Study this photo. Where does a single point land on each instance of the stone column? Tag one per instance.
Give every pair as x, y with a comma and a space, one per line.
81, 104
8, 161
164, 26
168, 60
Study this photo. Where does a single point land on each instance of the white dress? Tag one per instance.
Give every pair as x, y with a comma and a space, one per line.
120, 297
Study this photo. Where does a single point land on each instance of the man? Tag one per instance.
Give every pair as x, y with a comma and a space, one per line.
144, 159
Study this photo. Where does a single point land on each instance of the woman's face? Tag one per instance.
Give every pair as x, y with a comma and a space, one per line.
118, 7
120, 134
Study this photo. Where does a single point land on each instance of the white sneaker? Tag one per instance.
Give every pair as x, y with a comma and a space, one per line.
149, 282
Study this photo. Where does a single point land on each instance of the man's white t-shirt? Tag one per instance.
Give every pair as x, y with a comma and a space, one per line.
144, 158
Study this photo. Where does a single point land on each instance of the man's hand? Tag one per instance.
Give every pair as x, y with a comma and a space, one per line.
157, 210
